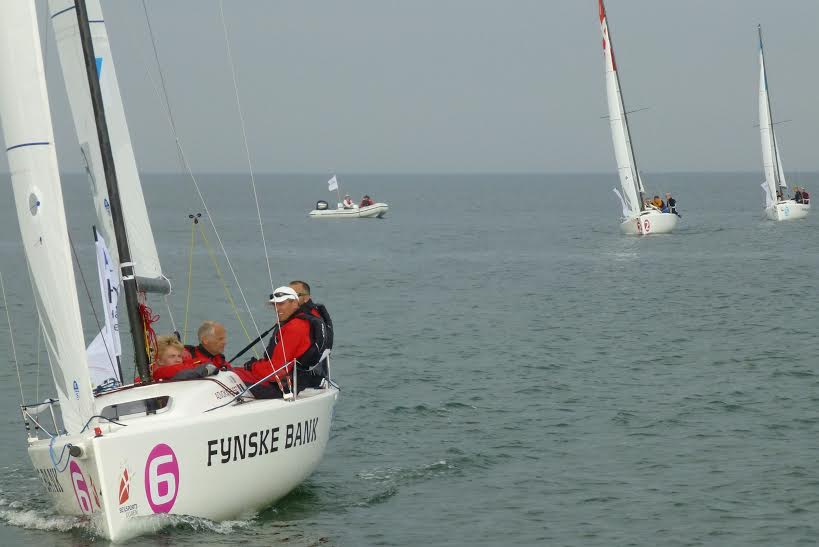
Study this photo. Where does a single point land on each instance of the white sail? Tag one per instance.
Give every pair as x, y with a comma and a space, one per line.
104, 351
771, 161
35, 179
623, 151
137, 225
782, 182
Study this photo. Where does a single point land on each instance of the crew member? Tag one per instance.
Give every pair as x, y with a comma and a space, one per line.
170, 363
307, 305
296, 339
211, 348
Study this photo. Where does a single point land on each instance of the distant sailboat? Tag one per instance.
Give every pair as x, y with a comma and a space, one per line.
638, 218
777, 207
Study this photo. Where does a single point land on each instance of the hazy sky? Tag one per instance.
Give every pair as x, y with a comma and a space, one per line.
458, 85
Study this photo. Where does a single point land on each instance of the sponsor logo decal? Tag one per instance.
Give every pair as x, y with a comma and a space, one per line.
124, 486
80, 488
161, 478
260, 443
76, 390
124, 493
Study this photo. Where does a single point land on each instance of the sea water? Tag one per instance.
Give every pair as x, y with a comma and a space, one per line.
513, 370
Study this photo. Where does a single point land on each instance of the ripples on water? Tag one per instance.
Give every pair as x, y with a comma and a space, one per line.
513, 370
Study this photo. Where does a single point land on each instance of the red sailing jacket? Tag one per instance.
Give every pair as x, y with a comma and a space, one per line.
167, 372
198, 356
291, 342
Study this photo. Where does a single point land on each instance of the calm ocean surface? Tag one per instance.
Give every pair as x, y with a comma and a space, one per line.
513, 370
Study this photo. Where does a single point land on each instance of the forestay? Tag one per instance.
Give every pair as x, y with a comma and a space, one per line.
35, 180
626, 165
137, 224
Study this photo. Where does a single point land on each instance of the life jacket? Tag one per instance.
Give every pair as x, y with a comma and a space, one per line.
314, 360
200, 355
312, 364
318, 310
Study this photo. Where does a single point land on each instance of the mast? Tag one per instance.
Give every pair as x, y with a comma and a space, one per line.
126, 265
772, 136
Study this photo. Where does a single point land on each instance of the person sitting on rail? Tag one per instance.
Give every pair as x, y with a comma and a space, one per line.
297, 342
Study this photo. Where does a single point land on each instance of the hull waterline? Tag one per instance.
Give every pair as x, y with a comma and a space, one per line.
376, 210
221, 464
787, 210
649, 223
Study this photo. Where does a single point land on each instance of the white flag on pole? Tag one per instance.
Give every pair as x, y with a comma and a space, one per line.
332, 184
104, 350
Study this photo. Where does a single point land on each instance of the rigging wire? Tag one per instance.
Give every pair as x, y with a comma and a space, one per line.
244, 140
170, 314
39, 330
228, 294
11, 337
190, 279
180, 152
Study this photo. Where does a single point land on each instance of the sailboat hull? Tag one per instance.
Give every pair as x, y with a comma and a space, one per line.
787, 210
220, 464
648, 223
376, 210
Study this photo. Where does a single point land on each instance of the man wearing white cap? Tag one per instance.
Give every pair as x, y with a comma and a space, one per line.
290, 342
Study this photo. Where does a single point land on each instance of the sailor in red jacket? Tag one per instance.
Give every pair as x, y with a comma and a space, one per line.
170, 363
316, 310
211, 348
288, 343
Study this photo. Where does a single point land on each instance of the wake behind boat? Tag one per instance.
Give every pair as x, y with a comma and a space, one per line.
777, 206
204, 447
639, 217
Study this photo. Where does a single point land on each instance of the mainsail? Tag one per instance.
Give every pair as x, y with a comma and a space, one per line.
38, 197
137, 225
771, 162
623, 151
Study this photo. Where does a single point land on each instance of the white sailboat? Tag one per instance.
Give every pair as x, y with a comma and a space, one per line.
122, 457
777, 206
638, 218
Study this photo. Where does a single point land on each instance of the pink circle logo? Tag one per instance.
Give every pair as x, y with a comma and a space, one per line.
80, 487
161, 478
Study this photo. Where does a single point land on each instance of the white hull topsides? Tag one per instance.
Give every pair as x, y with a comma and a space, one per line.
649, 222
787, 210
184, 459
376, 210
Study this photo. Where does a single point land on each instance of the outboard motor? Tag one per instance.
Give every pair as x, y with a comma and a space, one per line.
321, 205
